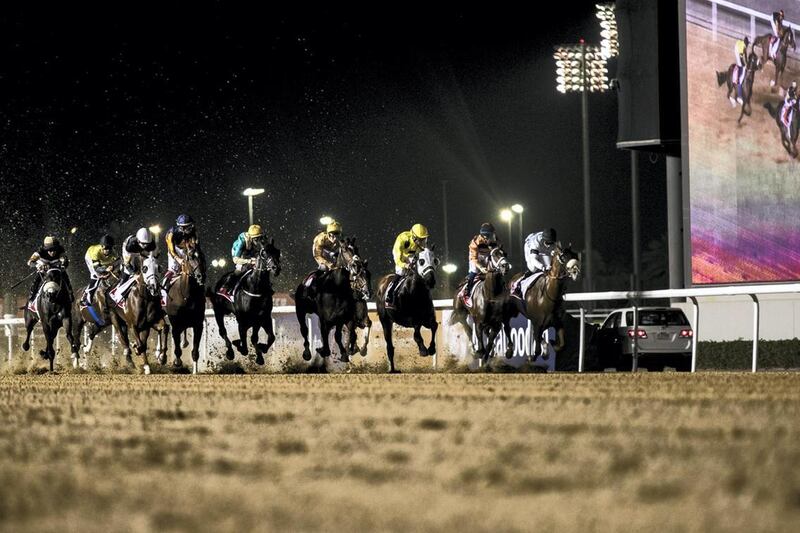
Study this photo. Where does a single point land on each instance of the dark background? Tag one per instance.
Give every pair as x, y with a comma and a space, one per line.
116, 119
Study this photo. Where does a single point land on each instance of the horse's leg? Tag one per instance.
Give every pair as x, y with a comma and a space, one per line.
219, 316
366, 337
266, 325
66, 323
121, 328
509, 344
241, 344
177, 350
197, 334
387, 335
301, 319
77, 329
493, 333
337, 336
142, 348
433, 327
30, 321
420, 343
480, 349
325, 330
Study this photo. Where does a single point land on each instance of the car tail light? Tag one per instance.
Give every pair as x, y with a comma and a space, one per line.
686, 333
642, 333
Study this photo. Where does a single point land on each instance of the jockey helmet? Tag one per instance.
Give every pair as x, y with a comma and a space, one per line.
487, 229
144, 236
50, 242
549, 236
255, 231
419, 231
334, 227
107, 241
746, 41
184, 220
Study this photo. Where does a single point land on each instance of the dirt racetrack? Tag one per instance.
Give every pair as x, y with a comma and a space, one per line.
455, 452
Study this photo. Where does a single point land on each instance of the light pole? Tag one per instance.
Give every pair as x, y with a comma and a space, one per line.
444, 216
449, 269
250, 192
582, 68
518, 209
507, 215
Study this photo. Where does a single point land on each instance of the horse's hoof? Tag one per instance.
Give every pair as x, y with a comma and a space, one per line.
364, 351
146, 369
431, 350
733, 101
306, 355
75, 361
229, 354
26, 346
510, 353
423, 352
394, 371
259, 359
353, 349
242, 350
177, 363
344, 358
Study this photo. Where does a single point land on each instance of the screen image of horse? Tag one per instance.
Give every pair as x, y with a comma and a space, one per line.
744, 174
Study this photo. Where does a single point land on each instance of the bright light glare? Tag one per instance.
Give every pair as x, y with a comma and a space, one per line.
215, 263
221, 262
74, 230
325, 220
449, 268
155, 228
517, 208
252, 192
506, 215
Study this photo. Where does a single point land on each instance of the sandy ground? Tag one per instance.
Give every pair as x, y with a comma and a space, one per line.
457, 452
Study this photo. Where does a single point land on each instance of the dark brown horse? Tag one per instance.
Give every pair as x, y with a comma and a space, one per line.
186, 306
252, 304
413, 305
361, 283
333, 301
747, 84
786, 40
788, 138
541, 301
492, 307
142, 312
54, 311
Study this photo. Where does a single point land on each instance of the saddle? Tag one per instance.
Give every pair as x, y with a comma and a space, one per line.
119, 293
480, 278
231, 296
394, 286
520, 286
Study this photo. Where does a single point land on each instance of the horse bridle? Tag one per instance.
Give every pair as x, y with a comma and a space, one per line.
265, 261
497, 260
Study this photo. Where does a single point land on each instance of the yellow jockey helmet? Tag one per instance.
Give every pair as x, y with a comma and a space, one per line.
254, 231
419, 231
334, 227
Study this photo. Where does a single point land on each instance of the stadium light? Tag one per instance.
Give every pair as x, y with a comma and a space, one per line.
74, 230
449, 268
219, 263
155, 229
609, 45
518, 209
325, 220
250, 192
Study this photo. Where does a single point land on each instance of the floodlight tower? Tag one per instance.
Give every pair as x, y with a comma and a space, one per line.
582, 68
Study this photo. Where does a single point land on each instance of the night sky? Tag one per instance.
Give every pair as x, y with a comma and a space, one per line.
113, 120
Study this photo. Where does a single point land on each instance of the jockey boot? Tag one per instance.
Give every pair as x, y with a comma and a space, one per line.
70, 291
468, 289
390, 292
226, 289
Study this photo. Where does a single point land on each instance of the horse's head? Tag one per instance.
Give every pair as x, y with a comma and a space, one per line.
498, 261
52, 281
753, 63
151, 273
425, 264
788, 38
269, 258
565, 263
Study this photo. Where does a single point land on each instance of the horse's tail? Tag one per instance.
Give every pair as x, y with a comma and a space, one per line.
722, 77
773, 112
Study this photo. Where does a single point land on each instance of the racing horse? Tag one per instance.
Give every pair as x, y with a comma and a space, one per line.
94, 318
788, 138
786, 40
141, 311
541, 302
413, 305
186, 306
491, 308
361, 282
53, 309
333, 301
726, 77
252, 304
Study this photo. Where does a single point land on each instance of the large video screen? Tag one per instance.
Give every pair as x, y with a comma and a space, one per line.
744, 174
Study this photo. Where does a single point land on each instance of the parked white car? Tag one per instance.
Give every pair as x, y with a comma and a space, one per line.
664, 339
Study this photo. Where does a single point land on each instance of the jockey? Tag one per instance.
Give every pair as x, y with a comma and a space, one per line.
480, 247
99, 259
538, 247
777, 32
326, 246
178, 238
789, 105
50, 255
406, 245
243, 253
740, 49
135, 246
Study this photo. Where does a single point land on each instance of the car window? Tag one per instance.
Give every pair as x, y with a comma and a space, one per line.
662, 317
612, 321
